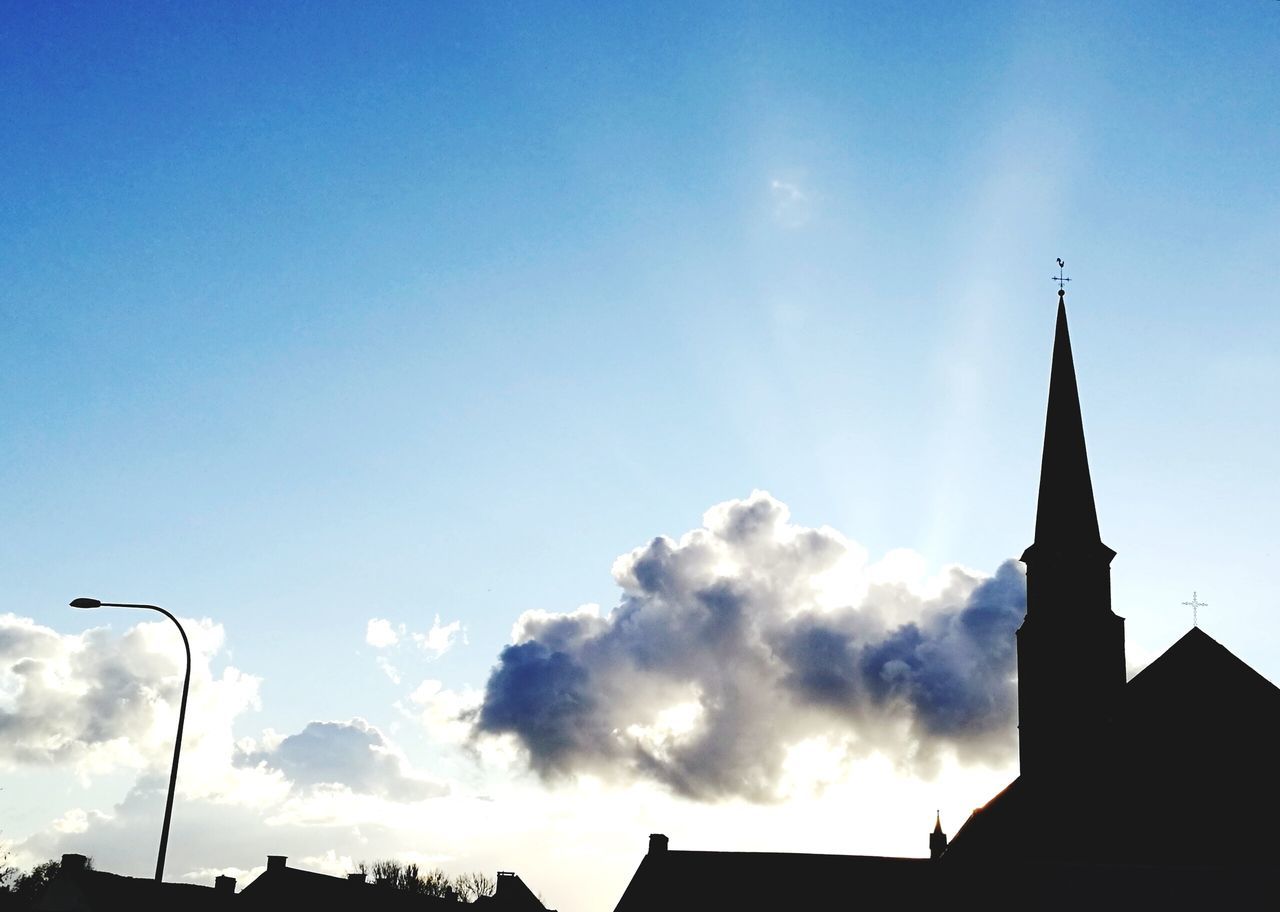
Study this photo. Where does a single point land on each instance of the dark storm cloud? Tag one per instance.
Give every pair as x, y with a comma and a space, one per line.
951, 671
728, 647
352, 754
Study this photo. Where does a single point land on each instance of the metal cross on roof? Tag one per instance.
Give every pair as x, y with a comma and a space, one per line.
1195, 604
1061, 277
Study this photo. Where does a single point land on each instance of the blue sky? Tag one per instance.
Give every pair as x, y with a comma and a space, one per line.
319, 315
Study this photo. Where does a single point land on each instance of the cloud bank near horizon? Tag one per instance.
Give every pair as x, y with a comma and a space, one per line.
751, 643
102, 702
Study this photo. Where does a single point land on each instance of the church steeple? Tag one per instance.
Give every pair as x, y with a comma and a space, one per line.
1065, 515
1070, 645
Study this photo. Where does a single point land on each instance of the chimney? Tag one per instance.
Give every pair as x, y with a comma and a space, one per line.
73, 863
224, 885
276, 862
357, 877
657, 843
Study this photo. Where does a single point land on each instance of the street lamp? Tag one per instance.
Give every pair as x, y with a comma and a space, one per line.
182, 715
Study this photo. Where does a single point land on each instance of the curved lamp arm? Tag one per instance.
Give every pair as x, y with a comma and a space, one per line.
182, 717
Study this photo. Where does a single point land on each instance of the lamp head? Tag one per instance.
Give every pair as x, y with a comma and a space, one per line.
86, 603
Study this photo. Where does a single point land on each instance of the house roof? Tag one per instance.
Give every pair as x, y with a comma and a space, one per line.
283, 887
511, 894
678, 880
89, 891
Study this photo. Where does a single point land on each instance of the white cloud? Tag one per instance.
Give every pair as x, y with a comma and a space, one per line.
380, 634
437, 641
330, 862
388, 669
75, 820
444, 713
209, 875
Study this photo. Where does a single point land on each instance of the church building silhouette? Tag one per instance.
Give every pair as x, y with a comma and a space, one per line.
1158, 792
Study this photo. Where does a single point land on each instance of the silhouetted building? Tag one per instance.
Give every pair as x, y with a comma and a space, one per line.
280, 888
1162, 792
681, 880
79, 888
1176, 767
511, 895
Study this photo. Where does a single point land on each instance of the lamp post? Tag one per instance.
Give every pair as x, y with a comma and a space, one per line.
182, 715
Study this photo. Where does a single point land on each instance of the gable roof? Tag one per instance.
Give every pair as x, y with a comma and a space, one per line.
511, 894
1195, 666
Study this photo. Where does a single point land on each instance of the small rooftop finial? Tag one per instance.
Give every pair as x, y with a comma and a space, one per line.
937, 839
1061, 278
1195, 605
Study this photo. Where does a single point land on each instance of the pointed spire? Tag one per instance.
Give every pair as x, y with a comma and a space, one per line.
1066, 517
937, 839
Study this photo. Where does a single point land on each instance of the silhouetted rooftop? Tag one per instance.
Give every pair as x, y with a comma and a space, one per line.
1200, 665
678, 880
86, 890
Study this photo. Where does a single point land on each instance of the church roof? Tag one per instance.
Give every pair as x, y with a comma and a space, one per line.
993, 830
1198, 658
1197, 677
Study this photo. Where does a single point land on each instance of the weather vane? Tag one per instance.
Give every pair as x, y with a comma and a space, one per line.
1061, 277
1195, 604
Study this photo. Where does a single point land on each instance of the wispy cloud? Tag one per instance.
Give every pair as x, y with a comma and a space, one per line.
388, 669
438, 640
792, 206
435, 642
